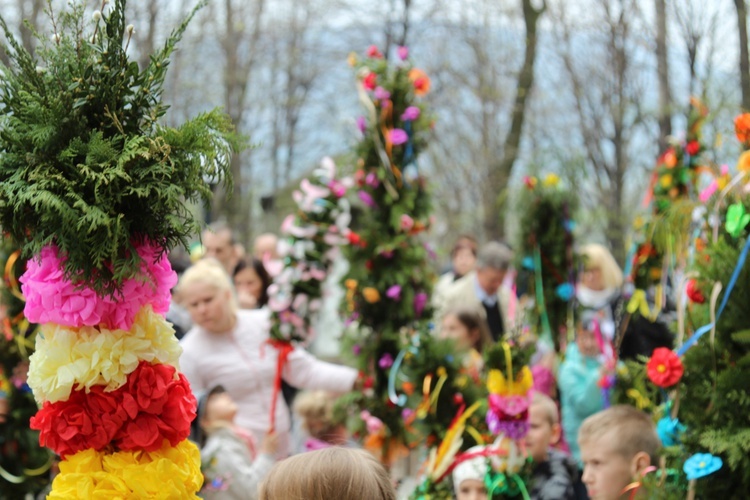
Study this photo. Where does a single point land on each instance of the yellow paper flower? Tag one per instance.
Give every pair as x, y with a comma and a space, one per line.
371, 294
743, 163
69, 358
171, 472
551, 180
497, 383
665, 180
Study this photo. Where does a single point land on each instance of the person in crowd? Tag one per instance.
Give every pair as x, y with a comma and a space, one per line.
468, 477
219, 243
618, 446
251, 281
266, 246
483, 289
578, 380
555, 473
468, 329
331, 473
233, 467
463, 261
315, 409
230, 347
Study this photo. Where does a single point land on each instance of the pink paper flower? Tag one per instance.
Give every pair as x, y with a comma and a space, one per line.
420, 301
337, 188
374, 52
371, 180
381, 94
406, 222
403, 52
361, 124
410, 114
394, 292
367, 199
398, 136
385, 361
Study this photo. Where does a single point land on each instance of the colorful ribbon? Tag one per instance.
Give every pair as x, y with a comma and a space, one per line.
284, 349
393, 396
539, 286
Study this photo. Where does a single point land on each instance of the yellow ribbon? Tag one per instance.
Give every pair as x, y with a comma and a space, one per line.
10, 277
638, 303
641, 402
508, 365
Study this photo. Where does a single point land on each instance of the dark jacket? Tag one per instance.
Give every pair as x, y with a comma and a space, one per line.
553, 479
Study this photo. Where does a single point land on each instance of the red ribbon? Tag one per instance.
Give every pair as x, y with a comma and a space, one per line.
285, 349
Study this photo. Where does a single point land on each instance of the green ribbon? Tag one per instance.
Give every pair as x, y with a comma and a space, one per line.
539, 286
499, 484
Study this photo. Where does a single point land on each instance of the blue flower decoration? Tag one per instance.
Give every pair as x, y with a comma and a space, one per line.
570, 225
670, 431
701, 465
528, 263
565, 292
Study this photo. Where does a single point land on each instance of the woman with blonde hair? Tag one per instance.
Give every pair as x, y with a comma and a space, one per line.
599, 286
230, 347
330, 473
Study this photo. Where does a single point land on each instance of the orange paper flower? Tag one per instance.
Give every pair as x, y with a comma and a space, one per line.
743, 163
742, 127
420, 80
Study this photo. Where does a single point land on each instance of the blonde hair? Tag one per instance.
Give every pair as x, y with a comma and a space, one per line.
547, 405
597, 256
209, 272
632, 429
316, 410
330, 473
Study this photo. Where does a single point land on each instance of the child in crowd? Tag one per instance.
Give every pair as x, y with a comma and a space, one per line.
468, 477
554, 472
331, 473
230, 465
578, 381
469, 329
315, 409
618, 446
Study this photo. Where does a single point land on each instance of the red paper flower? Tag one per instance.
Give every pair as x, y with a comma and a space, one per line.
693, 148
374, 52
370, 81
694, 293
664, 368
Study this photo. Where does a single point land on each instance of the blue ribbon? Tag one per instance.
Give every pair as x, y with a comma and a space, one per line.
398, 399
732, 281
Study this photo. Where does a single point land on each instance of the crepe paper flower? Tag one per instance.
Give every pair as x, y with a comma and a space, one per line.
410, 114
528, 263
367, 199
407, 413
338, 189
373, 52
394, 292
406, 222
351, 59
670, 431
743, 163
420, 301
66, 359
170, 472
665, 180
742, 127
569, 225
398, 136
669, 158
371, 295
361, 124
371, 180
50, 298
403, 52
664, 368
356, 349
551, 180
693, 148
694, 293
370, 81
565, 292
512, 406
737, 219
385, 361
530, 182
514, 429
701, 465
381, 94
420, 80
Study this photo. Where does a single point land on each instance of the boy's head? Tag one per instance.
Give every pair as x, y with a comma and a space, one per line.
468, 477
544, 427
586, 336
617, 444
215, 409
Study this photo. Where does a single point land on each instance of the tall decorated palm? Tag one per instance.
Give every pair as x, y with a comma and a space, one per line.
94, 188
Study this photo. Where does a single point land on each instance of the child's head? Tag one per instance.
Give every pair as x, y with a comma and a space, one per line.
617, 444
468, 477
544, 427
330, 473
216, 408
467, 328
316, 410
586, 336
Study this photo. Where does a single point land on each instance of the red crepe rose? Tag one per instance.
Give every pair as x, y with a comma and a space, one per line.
694, 292
664, 368
693, 148
83, 421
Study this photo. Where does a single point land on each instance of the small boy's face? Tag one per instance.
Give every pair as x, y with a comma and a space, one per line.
542, 433
586, 341
606, 472
471, 489
220, 408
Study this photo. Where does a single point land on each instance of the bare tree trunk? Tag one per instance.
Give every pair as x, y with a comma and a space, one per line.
744, 57
494, 220
662, 60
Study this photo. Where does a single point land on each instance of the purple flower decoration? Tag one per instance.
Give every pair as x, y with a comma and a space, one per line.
381, 94
407, 413
386, 361
398, 136
372, 180
410, 114
361, 124
367, 199
356, 349
394, 292
514, 429
403, 52
388, 254
420, 301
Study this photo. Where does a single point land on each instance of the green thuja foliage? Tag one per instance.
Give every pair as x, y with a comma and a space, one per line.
85, 163
715, 398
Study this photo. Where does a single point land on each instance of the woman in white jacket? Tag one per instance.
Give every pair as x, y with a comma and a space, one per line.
229, 347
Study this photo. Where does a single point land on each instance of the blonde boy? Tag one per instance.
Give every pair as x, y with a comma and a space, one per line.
617, 446
554, 472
